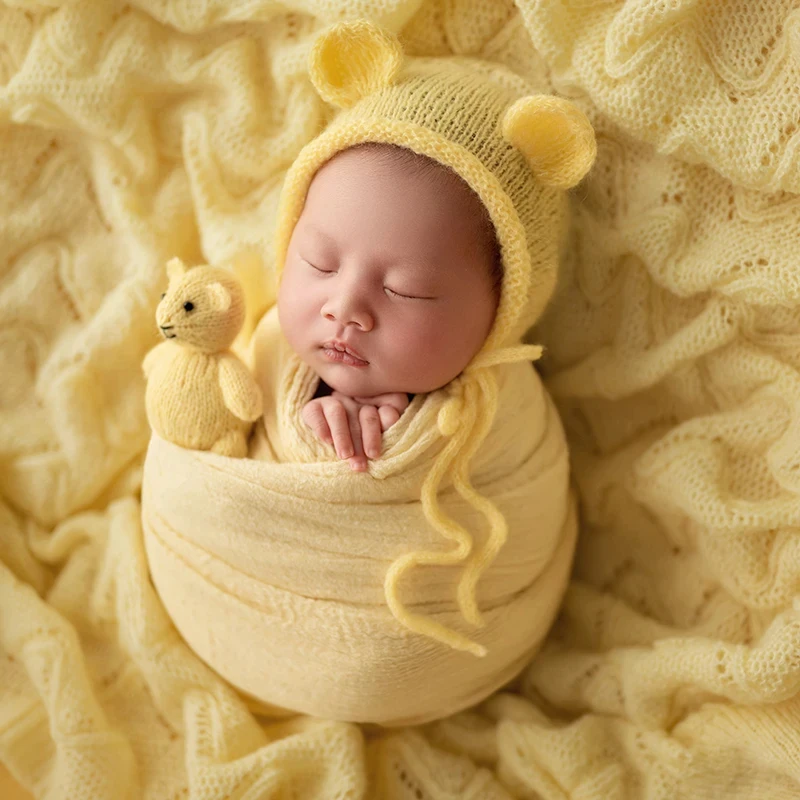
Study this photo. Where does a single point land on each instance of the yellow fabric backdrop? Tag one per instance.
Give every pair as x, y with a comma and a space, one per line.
131, 133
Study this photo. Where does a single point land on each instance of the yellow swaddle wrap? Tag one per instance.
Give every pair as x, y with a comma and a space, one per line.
273, 568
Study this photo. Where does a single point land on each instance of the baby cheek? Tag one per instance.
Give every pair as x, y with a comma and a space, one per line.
415, 333
294, 313
426, 343
303, 296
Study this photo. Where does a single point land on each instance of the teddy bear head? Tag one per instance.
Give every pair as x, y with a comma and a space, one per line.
202, 308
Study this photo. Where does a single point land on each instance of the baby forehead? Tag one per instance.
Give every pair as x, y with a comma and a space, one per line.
381, 174
402, 245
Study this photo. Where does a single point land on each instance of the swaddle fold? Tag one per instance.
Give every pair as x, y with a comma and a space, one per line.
273, 567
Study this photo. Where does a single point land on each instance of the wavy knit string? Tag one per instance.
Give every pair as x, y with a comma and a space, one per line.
466, 419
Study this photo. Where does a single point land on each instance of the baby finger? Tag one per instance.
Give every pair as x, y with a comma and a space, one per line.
388, 416
370, 430
358, 463
397, 399
314, 417
336, 416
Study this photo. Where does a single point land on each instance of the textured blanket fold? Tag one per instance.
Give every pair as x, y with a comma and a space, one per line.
273, 568
132, 132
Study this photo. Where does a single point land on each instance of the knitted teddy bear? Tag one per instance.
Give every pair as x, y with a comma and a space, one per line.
199, 394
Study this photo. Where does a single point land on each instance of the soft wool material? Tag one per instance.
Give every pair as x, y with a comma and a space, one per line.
286, 555
671, 347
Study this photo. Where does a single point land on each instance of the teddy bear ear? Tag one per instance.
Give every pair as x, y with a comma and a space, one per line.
220, 297
555, 137
175, 269
353, 59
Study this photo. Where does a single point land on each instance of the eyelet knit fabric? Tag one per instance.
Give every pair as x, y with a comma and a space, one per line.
134, 133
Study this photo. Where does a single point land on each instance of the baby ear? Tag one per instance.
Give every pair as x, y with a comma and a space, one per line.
555, 137
220, 297
175, 269
353, 59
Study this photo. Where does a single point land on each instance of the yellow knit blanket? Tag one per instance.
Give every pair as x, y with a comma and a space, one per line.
132, 133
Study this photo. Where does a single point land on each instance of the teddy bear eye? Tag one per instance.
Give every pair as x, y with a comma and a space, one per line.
164, 294
188, 306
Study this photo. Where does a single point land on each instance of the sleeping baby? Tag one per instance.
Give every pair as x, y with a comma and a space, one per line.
417, 242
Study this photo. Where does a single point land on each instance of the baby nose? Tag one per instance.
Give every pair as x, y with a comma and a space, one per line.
348, 309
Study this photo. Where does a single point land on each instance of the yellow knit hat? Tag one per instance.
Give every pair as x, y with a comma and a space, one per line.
518, 152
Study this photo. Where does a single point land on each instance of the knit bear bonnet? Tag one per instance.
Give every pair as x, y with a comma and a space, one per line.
518, 152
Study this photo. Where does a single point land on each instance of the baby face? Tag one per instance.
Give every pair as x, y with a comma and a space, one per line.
387, 281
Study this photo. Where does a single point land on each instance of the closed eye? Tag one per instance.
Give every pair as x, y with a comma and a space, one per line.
388, 290
326, 271
407, 296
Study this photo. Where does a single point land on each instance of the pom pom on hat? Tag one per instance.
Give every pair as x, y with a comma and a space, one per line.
352, 60
555, 137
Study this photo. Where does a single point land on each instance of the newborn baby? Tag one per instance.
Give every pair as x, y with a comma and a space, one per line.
390, 286
390, 282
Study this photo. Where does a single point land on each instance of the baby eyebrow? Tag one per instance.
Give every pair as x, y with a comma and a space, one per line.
320, 234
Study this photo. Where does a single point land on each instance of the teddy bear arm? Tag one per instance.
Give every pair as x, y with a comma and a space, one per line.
240, 392
232, 444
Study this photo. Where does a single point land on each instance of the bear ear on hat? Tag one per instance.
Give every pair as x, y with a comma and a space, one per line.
555, 137
353, 59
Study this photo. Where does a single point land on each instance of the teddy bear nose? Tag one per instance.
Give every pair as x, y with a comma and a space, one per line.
166, 327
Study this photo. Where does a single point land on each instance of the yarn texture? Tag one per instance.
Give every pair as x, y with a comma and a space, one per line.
132, 133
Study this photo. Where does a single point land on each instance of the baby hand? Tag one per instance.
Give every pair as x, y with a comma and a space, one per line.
354, 424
